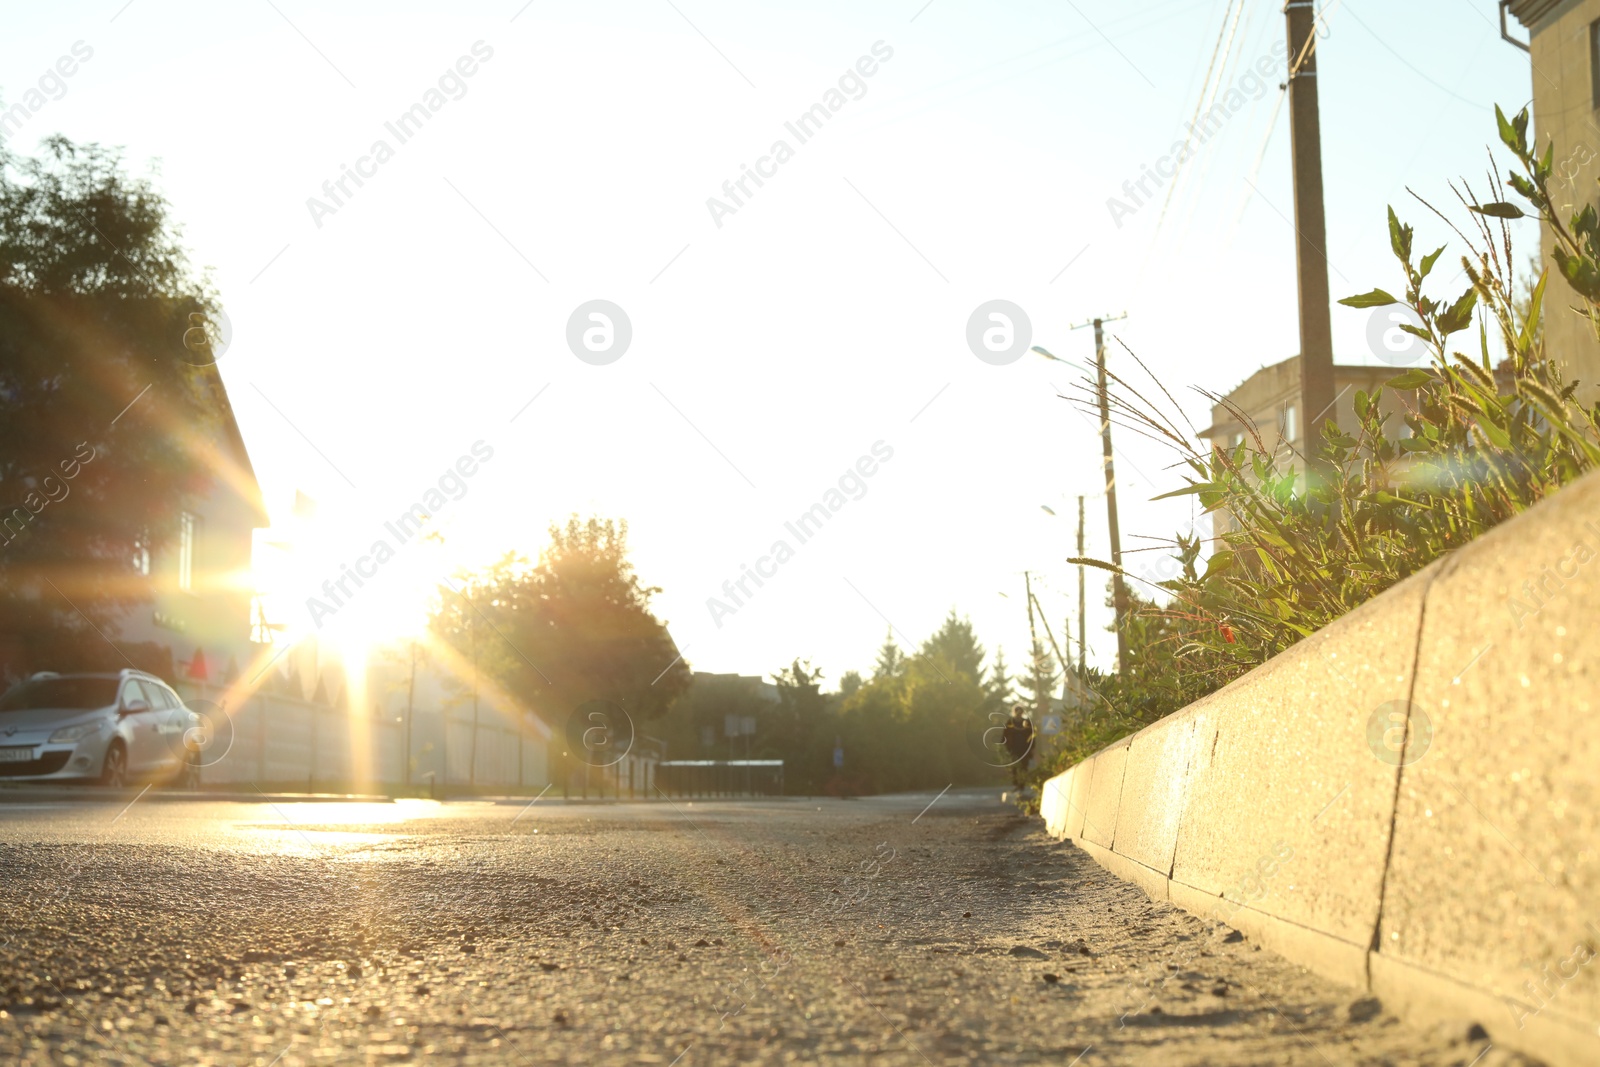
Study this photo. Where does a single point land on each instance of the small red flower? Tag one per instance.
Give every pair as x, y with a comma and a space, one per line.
1227, 632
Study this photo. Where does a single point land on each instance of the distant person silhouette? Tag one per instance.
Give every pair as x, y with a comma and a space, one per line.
1017, 736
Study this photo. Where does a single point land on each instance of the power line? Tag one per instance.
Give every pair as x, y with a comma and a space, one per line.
1200, 100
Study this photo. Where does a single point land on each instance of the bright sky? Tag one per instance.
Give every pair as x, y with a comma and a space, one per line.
374, 345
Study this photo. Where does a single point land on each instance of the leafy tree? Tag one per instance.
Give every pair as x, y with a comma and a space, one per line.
919, 721
849, 682
96, 298
800, 732
573, 628
872, 724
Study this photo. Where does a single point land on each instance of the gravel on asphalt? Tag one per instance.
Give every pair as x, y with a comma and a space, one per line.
666, 933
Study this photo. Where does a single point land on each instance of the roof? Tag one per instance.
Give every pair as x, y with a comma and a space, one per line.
1532, 12
249, 486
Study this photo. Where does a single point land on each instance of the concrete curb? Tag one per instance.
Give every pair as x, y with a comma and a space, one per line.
1406, 801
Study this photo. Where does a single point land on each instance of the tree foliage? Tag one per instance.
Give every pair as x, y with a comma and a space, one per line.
919, 721
572, 628
891, 661
96, 295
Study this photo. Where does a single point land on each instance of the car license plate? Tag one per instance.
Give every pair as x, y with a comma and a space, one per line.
16, 754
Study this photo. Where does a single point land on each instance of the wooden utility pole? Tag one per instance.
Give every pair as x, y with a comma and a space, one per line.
1033, 635
1082, 626
411, 693
472, 764
1311, 235
1119, 591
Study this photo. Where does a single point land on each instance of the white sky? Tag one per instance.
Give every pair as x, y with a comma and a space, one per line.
768, 354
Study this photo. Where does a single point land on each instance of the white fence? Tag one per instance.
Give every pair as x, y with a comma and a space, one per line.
275, 739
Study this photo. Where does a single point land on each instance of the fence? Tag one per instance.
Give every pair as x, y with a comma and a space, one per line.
289, 742
753, 777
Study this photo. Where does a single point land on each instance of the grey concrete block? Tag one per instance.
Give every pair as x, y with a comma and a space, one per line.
1054, 800
1494, 880
1105, 792
1329, 956
1154, 791
1424, 996
1288, 802
1078, 804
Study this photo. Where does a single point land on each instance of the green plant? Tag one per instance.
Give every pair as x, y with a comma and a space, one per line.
1481, 442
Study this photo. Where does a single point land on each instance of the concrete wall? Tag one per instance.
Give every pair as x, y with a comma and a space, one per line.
1564, 113
1408, 801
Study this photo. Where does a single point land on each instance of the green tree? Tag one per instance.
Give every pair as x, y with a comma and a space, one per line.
919, 721
873, 726
891, 661
998, 692
801, 733
575, 627
96, 298
955, 644
1040, 681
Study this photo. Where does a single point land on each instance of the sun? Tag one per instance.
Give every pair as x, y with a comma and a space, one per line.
326, 575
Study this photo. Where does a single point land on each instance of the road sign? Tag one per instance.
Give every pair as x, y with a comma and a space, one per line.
1050, 725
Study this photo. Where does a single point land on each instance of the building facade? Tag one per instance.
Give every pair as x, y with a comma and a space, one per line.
1270, 399
1564, 47
193, 594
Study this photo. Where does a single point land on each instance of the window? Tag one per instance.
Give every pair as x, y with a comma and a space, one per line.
141, 556
1290, 426
1594, 64
64, 694
188, 535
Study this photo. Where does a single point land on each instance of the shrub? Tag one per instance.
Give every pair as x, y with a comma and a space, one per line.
1309, 541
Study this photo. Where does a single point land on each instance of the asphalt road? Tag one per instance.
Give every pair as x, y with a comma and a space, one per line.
882, 930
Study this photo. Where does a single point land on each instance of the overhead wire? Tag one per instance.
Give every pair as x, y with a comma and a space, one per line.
1115, 25
1322, 16
1235, 8
1202, 102
1195, 193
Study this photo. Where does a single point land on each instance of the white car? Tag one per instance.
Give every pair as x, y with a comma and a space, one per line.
106, 728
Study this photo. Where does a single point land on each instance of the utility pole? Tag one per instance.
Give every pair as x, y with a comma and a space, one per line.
1082, 629
472, 764
411, 693
1311, 235
1119, 591
1033, 636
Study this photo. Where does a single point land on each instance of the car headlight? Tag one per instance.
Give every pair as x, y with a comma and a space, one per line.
74, 733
